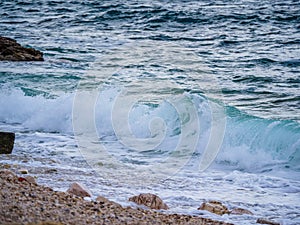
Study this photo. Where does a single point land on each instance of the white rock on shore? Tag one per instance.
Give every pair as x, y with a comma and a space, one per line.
79, 190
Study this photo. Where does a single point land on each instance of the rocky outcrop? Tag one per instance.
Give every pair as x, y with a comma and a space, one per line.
214, 207
7, 140
150, 200
10, 50
79, 190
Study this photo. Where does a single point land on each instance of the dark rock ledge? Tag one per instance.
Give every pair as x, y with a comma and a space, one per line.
11, 50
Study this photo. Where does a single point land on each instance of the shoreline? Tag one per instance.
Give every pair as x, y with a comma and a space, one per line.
24, 202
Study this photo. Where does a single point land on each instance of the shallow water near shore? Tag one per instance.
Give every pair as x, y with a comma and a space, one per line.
274, 196
134, 96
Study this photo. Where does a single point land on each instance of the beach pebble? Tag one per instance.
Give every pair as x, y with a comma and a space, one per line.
23, 171
240, 211
79, 190
7, 173
104, 200
214, 207
30, 179
21, 179
150, 200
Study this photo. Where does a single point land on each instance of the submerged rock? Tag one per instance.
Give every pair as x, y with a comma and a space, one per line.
10, 50
150, 200
7, 140
214, 207
79, 190
266, 221
240, 211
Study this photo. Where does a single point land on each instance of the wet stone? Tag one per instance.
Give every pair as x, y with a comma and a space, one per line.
7, 140
266, 221
150, 200
79, 190
215, 207
240, 211
10, 50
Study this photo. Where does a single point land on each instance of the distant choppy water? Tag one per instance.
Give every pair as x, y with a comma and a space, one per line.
176, 59
251, 47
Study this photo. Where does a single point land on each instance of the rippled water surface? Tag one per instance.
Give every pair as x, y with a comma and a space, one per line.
251, 47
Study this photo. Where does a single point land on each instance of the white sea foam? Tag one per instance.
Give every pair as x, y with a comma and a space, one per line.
239, 178
250, 143
36, 113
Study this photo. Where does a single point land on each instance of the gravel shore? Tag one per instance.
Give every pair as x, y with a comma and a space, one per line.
24, 202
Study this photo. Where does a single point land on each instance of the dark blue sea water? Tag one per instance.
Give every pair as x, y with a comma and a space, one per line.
193, 100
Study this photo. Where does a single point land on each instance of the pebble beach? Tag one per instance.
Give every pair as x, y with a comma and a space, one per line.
24, 202
196, 102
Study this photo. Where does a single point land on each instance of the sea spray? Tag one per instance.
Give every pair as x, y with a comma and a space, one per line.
250, 143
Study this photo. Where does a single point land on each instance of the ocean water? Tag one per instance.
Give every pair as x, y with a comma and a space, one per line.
191, 100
